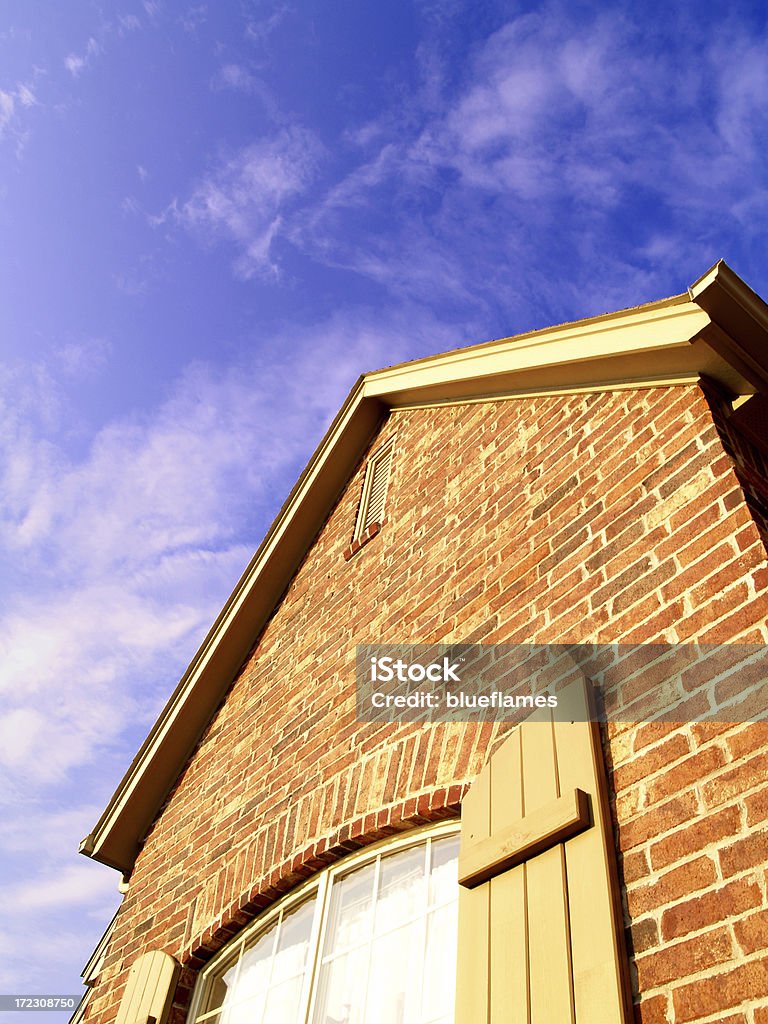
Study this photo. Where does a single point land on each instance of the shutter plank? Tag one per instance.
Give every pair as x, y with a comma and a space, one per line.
134, 990
472, 976
548, 932
509, 996
149, 989
599, 984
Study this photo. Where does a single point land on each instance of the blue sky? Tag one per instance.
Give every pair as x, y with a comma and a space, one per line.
213, 218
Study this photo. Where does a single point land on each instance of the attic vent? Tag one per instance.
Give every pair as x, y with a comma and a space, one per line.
374, 489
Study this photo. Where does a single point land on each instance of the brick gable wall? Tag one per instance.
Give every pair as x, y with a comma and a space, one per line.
580, 518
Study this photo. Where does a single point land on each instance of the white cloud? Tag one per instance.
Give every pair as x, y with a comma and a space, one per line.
259, 30
70, 886
128, 23
234, 76
13, 106
82, 358
194, 17
242, 199
25, 95
71, 902
70, 899
7, 107
76, 63
62, 827
565, 131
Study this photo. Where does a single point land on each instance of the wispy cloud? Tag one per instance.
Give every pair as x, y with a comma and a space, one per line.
7, 107
25, 95
128, 23
13, 103
244, 197
234, 76
70, 886
193, 17
83, 358
77, 900
567, 131
258, 30
76, 63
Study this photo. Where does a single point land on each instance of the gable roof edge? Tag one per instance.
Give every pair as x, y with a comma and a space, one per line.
678, 336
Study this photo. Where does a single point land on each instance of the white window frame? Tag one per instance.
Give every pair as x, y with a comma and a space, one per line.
320, 885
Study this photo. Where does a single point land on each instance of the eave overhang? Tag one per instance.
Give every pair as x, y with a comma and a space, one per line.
719, 329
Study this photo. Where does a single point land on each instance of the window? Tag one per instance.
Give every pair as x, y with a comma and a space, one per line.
374, 494
370, 941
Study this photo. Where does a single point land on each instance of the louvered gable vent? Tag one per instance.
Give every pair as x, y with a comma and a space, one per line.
374, 489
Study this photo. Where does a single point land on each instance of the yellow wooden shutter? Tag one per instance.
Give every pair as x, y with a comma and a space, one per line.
149, 989
540, 924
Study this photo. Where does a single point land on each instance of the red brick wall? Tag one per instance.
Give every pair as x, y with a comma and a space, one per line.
600, 518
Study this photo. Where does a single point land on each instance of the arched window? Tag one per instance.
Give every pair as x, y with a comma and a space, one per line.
371, 940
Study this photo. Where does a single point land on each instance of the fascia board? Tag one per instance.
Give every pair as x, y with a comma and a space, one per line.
90, 972
636, 344
739, 328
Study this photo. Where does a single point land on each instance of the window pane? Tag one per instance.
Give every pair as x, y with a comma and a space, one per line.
248, 1012
219, 987
401, 889
266, 986
350, 915
341, 996
253, 978
394, 987
392, 960
444, 877
439, 965
283, 1004
293, 944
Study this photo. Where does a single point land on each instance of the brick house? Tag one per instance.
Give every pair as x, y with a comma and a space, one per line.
599, 482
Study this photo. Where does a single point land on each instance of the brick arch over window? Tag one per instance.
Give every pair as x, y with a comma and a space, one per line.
440, 805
